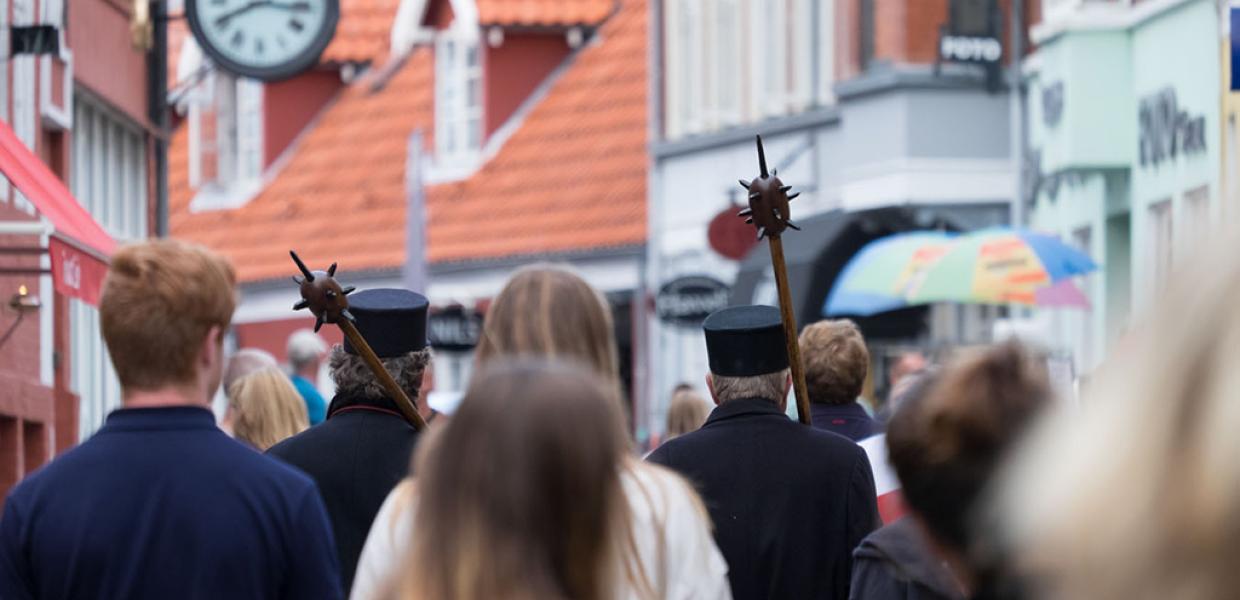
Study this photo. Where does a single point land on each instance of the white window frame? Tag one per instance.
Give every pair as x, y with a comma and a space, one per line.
729, 62
52, 13
109, 177
238, 107
454, 115
1161, 257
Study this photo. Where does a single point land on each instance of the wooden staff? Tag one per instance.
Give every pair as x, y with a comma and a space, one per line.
768, 211
328, 303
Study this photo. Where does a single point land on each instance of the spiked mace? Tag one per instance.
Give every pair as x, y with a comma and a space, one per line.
768, 211
328, 303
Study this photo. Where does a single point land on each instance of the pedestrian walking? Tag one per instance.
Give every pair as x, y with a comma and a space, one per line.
305, 354
789, 502
549, 312
947, 447
897, 562
362, 449
686, 412
520, 495
160, 503
1135, 492
264, 408
836, 364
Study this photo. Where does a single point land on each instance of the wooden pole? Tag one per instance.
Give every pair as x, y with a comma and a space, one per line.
398, 395
790, 328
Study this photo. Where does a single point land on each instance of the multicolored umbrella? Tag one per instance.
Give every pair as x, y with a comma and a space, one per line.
991, 266
999, 265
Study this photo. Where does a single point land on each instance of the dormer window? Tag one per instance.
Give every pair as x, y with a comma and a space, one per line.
458, 97
225, 141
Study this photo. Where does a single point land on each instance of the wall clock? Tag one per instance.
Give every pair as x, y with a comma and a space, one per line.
263, 39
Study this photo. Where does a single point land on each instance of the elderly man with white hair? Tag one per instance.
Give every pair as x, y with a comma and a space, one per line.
305, 353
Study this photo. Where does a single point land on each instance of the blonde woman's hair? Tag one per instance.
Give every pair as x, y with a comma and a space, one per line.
549, 311
686, 412
266, 408
1136, 495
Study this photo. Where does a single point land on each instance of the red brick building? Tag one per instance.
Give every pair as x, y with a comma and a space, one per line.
79, 177
438, 145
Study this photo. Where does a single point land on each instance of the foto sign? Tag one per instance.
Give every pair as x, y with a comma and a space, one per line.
969, 49
689, 300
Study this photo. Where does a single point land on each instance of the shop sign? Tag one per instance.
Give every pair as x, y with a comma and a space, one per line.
688, 300
454, 329
971, 34
1167, 132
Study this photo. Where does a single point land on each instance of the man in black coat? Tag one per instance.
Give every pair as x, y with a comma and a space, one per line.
364, 447
789, 502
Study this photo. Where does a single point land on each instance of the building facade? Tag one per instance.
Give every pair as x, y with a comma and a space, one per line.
1124, 136
438, 146
859, 114
75, 96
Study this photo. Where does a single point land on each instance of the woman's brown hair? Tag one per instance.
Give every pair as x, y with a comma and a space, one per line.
686, 412
548, 311
519, 495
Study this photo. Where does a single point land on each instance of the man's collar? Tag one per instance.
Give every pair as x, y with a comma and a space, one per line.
160, 418
743, 407
852, 409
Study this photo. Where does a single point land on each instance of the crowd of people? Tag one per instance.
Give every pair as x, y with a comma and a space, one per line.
530, 487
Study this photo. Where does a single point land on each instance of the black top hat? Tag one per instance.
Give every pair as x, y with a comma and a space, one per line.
392, 321
745, 341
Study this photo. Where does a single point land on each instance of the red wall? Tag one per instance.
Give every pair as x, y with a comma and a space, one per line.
272, 336
515, 68
103, 59
288, 105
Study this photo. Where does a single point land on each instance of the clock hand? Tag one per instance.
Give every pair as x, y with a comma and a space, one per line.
223, 20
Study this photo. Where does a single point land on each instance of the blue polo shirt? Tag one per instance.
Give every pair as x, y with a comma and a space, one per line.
160, 503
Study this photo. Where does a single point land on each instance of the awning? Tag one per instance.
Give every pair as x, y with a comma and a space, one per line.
817, 254
79, 247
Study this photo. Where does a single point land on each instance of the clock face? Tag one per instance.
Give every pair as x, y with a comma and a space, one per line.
264, 39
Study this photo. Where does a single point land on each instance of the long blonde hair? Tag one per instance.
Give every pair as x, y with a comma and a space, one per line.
548, 311
1137, 494
520, 494
266, 408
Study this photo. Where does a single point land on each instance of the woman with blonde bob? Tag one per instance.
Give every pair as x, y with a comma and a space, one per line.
549, 312
1136, 494
264, 408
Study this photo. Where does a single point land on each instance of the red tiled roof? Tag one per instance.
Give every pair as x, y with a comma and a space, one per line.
543, 12
362, 34
574, 175
571, 178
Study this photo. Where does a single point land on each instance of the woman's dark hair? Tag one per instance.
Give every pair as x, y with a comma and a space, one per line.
519, 495
946, 443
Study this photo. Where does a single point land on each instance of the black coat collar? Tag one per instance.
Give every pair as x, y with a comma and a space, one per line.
340, 402
744, 407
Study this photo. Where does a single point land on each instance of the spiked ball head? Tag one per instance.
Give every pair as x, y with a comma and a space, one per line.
768, 200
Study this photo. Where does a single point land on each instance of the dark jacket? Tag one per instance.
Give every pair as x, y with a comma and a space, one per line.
356, 456
789, 502
849, 420
896, 563
160, 503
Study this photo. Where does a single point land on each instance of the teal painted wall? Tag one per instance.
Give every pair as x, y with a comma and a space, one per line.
1095, 149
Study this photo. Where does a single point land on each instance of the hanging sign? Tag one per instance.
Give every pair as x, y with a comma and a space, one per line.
688, 300
454, 329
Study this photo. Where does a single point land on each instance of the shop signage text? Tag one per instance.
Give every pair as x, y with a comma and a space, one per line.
454, 328
959, 48
688, 300
1167, 132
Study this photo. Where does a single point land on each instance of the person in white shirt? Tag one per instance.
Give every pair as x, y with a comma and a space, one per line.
547, 311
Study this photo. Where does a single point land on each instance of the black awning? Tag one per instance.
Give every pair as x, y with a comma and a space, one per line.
818, 253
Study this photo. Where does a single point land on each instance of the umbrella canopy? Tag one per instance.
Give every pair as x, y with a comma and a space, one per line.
983, 267
999, 265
